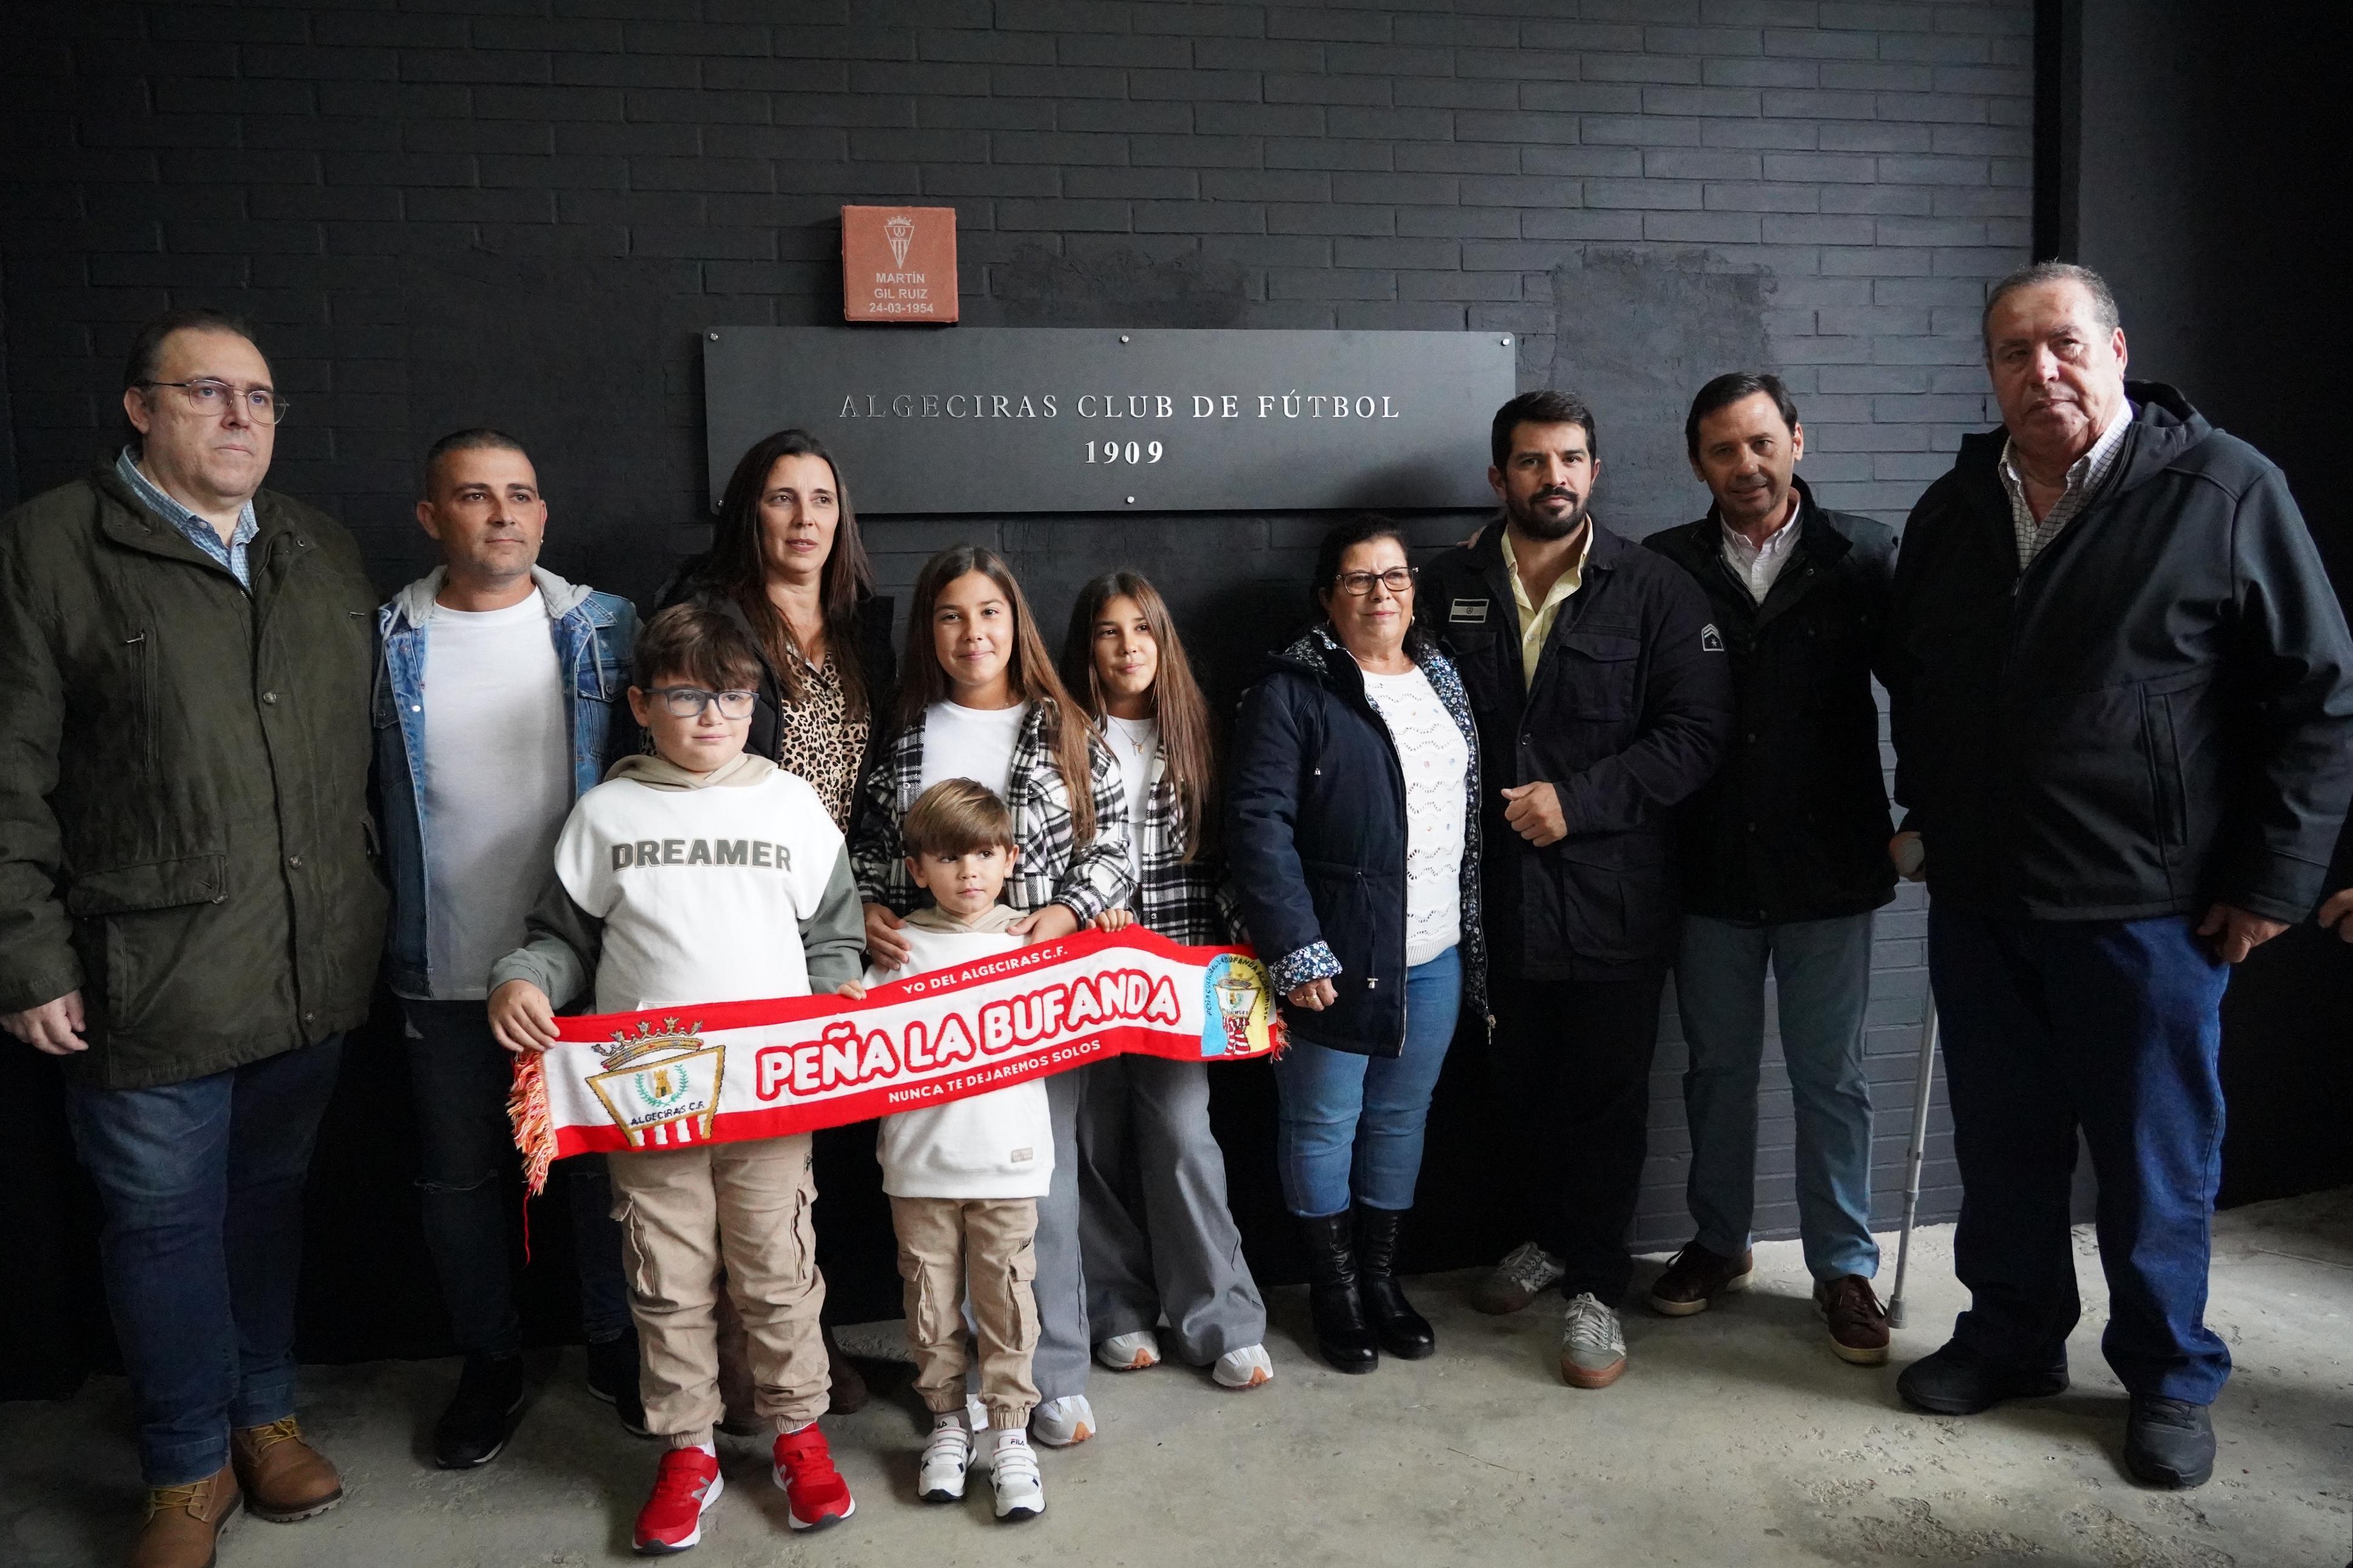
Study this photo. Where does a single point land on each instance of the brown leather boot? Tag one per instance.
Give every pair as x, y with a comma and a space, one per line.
183, 1522
284, 1478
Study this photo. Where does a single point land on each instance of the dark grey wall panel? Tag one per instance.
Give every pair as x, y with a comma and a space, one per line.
1055, 419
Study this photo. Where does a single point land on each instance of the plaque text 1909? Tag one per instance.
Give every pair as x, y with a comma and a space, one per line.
1072, 419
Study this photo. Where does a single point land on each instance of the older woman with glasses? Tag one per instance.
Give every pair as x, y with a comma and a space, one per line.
1353, 796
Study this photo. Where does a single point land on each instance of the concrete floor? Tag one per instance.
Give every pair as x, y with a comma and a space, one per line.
1735, 1437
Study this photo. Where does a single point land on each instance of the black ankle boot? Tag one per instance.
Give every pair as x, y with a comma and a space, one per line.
1404, 1332
1343, 1336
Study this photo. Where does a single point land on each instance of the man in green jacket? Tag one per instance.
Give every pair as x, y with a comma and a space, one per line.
190, 912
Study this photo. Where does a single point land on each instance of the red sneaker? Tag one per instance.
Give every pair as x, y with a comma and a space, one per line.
815, 1493
684, 1489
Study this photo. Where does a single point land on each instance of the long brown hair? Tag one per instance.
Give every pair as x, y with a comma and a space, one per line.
1177, 705
1029, 672
737, 566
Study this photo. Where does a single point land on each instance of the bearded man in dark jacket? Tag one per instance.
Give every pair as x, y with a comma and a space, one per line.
1603, 700
2123, 711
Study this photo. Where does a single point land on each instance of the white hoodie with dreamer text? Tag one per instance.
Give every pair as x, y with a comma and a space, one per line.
702, 891
995, 1145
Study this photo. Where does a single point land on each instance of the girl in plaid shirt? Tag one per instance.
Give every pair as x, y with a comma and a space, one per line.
1157, 1235
979, 699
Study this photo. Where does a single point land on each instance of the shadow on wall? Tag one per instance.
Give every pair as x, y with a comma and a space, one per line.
595, 364
1638, 332
1124, 288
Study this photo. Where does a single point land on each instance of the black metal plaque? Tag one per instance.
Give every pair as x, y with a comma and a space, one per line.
1007, 420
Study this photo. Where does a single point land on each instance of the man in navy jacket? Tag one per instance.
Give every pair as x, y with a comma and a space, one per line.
1784, 858
2122, 711
1602, 698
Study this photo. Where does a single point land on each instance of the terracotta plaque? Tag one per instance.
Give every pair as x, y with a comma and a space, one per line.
898, 264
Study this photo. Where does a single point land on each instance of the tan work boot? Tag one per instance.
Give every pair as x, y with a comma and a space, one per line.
284, 1478
183, 1523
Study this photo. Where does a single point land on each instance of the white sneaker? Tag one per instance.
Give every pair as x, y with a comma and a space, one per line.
1592, 1343
1245, 1368
1059, 1423
1130, 1353
1019, 1493
946, 1457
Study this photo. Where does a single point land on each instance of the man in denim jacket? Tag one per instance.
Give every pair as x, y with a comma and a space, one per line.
499, 699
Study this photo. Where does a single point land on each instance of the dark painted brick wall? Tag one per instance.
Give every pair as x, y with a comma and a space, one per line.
521, 212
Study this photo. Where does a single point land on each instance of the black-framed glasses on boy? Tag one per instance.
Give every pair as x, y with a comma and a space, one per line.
688, 701
1396, 580
206, 396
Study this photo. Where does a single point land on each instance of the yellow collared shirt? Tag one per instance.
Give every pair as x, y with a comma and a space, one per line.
1536, 622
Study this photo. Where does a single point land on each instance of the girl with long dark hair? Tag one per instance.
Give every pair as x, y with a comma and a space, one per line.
1157, 1235
979, 699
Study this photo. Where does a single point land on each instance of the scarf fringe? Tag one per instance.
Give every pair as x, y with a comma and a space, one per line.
533, 1122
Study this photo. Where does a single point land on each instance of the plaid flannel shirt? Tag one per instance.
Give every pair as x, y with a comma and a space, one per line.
1190, 903
1054, 867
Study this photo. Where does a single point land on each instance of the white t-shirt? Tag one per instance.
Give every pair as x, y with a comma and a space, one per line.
496, 780
702, 891
974, 743
1434, 757
1137, 743
995, 1145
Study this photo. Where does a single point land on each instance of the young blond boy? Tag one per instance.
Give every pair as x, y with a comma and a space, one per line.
965, 1178
735, 886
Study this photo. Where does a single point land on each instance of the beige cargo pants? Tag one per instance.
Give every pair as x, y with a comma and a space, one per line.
688, 1213
948, 1247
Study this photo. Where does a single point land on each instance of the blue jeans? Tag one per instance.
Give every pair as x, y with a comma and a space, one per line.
1349, 1124
1823, 972
459, 1075
2113, 1027
202, 1187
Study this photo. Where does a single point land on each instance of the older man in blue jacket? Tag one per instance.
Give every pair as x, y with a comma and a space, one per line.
2123, 709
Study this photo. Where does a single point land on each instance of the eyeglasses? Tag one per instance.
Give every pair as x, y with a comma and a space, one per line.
688, 701
1396, 580
260, 404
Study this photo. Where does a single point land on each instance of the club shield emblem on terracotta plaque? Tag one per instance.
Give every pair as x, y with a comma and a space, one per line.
898, 264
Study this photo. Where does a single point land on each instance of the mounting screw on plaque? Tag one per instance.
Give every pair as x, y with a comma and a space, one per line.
714, 337
1123, 337
1506, 341
1131, 501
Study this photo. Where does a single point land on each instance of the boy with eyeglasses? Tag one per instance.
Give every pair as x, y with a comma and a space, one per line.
696, 875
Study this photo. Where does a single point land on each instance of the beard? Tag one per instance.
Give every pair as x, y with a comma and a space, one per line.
1538, 524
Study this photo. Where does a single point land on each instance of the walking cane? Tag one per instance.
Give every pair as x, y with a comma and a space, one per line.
1921, 1089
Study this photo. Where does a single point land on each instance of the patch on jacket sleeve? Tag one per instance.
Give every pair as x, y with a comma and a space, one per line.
1468, 611
1710, 639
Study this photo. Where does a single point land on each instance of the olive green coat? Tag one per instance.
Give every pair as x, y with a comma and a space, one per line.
184, 833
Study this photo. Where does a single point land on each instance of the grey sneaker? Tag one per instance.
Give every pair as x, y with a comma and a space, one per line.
1592, 1343
1517, 1280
